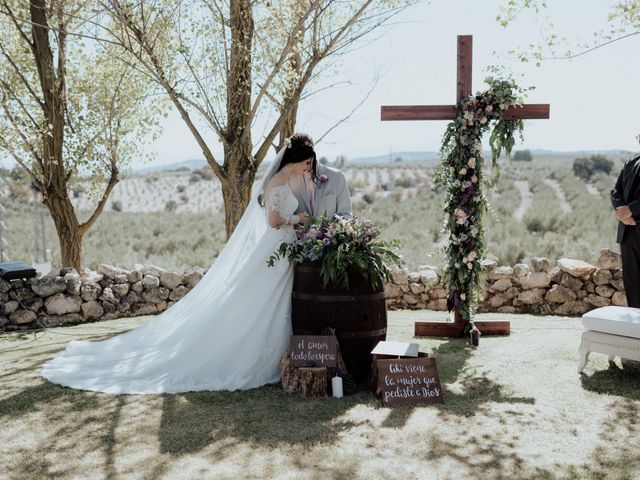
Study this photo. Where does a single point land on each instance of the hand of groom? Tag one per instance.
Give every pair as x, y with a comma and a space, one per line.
304, 216
623, 212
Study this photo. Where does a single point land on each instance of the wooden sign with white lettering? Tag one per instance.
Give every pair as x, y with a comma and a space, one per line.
406, 381
313, 351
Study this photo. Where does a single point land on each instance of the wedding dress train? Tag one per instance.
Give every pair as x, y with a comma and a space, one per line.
229, 332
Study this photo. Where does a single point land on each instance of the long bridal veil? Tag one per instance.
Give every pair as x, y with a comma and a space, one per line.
189, 346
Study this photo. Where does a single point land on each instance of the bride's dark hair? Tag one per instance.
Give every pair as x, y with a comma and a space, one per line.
300, 149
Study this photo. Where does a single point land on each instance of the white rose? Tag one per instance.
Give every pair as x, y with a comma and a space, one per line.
463, 296
474, 179
483, 120
463, 171
472, 162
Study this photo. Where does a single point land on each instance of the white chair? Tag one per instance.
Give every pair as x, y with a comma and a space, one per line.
614, 331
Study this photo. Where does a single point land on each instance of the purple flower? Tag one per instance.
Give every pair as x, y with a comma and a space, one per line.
319, 235
453, 301
468, 193
322, 179
463, 237
326, 242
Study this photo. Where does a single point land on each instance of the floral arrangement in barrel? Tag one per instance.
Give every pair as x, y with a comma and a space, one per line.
344, 246
461, 175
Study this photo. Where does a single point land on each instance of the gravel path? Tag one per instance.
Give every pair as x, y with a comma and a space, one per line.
557, 189
592, 189
526, 199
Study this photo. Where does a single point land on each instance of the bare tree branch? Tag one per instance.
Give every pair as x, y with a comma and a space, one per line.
350, 114
589, 50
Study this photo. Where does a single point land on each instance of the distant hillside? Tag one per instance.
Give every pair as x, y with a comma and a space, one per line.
394, 156
409, 156
192, 164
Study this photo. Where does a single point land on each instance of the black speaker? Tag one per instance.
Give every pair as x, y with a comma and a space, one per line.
16, 270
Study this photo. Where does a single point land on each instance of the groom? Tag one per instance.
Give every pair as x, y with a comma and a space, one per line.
328, 195
625, 198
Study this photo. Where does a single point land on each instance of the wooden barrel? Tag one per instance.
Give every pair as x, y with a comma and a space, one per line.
358, 315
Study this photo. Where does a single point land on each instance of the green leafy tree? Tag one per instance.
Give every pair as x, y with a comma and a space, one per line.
522, 156
587, 167
66, 108
232, 67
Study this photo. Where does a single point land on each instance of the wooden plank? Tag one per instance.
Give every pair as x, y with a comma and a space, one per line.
439, 329
456, 330
530, 111
418, 112
465, 66
494, 327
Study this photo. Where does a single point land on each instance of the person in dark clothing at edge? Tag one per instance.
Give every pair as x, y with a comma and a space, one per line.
625, 198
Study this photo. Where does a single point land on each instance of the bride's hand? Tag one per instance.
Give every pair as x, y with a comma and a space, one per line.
304, 216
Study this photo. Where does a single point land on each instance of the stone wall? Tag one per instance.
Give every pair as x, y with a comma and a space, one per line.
66, 297
571, 287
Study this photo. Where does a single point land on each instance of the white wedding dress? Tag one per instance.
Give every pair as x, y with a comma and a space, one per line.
229, 332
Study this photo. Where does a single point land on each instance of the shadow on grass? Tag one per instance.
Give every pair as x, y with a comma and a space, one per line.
267, 416
45, 393
616, 456
489, 455
623, 382
486, 457
477, 390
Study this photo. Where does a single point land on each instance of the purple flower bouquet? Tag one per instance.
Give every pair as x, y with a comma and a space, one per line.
343, 246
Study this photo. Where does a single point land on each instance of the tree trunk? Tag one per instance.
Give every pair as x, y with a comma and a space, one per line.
239, 165
289, 125
54, 174
292, 96
69, 235
236, 184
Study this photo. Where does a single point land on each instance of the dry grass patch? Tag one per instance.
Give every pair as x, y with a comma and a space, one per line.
515, 408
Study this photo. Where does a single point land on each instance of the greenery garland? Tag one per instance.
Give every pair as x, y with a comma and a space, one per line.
461, 175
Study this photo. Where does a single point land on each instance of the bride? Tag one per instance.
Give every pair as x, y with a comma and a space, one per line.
230, 331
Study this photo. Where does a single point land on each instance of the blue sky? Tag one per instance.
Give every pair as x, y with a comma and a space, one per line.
594, 98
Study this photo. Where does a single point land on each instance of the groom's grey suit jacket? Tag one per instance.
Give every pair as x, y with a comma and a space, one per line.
331, 197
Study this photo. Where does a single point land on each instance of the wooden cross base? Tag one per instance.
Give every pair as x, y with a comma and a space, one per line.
456, 328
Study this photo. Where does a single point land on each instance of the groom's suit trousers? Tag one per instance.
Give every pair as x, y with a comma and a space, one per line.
630, 250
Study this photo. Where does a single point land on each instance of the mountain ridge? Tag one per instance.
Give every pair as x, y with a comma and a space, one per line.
407, 156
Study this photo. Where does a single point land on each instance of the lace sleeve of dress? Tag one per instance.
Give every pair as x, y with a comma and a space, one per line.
274, 200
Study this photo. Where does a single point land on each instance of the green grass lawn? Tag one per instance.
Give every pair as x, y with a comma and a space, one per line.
515, 408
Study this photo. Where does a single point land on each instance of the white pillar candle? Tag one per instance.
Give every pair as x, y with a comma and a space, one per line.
336, 386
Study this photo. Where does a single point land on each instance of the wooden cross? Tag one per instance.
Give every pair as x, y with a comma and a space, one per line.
449, 112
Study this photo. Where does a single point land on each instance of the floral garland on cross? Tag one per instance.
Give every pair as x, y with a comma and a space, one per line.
461, 175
